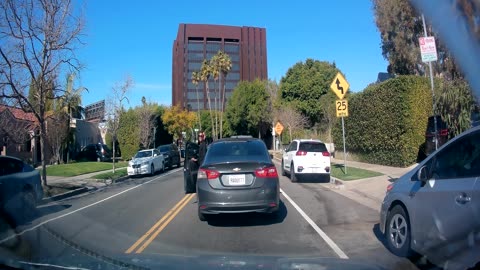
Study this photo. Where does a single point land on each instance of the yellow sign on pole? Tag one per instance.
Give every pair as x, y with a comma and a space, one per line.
342, 108
339, 85
278, 128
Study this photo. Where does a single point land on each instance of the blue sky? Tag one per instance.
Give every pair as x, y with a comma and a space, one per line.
136, 38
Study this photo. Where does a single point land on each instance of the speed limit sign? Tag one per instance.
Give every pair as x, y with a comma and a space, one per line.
341, 106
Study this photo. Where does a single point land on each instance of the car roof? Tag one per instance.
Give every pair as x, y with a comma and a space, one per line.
237, 139
308, 140
10, 157
147, 150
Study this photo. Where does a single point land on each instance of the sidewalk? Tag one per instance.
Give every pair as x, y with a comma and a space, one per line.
83, 182
369, 191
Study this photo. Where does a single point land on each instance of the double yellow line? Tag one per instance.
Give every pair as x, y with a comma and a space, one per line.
159, 226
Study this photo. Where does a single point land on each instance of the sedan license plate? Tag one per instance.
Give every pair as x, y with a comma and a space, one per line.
236, 180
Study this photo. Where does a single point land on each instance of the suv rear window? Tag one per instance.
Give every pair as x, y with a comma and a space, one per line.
312, 147
237, 151
164, 148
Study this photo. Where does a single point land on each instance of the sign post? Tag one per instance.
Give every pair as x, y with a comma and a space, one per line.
428, 51
340, 87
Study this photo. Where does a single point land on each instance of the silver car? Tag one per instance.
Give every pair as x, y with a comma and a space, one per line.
434, 209
237, 176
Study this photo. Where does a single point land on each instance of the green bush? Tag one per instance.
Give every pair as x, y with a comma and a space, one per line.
387, 121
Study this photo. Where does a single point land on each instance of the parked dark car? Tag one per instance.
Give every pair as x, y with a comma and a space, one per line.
95, 152
20, 186
237, 176
171, 155
442, 131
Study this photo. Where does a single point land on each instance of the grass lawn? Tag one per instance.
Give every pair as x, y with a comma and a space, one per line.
352, 173
109, 175
78, 168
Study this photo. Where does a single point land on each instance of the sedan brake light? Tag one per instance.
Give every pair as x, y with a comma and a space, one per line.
209, 174
301, 153
267, 172
326, 154
389, 187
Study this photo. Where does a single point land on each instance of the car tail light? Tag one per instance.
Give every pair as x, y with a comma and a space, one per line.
301, 153
444, 132
389, 187
209, 174
268, 172
326, 154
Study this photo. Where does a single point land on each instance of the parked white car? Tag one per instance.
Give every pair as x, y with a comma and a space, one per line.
146, 162
306, 157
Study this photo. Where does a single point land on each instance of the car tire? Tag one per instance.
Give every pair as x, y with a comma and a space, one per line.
152, 170
293, 177
397, 232
29, 203
283, 169
201, 216
178, 163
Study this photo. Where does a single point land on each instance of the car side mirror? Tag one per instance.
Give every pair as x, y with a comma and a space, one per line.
422, 174
154, 155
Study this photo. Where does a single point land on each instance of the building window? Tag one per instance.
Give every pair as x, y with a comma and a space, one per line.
195, 56
231, 85
234, 57
195, 47
191, 85
232, 48
233, 76
235, 66
213, 47
193, 95
194, 105
194, 66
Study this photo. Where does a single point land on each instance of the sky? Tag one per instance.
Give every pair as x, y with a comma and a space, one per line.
136, 38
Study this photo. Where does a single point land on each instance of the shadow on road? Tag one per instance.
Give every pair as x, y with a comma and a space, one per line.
313, 178
248, 219
418, 260
20, 218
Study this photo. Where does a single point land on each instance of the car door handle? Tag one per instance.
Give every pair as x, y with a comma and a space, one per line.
463, 199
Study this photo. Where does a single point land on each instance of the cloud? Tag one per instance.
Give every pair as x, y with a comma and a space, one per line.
152, 86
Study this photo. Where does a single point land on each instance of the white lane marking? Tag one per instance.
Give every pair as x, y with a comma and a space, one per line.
322, 234
85, 207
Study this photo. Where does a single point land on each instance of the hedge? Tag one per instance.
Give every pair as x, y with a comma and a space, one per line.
387, 121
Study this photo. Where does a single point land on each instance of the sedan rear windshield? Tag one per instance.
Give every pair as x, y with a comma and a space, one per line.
237, 151
164, 149
312, 147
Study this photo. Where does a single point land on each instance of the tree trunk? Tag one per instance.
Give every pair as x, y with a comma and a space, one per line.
43, 150
222, 101
210, 109
198, 110
113, 154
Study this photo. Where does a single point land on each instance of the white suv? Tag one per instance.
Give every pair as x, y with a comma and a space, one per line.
306, 157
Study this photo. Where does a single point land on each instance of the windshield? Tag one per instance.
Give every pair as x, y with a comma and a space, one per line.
143, 154
295, 135
237, 151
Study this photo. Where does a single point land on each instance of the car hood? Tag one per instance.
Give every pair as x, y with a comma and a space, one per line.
154, 261
140, 160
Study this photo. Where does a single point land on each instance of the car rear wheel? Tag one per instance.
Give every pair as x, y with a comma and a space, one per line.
201, 216
283, 169
398, 232
293, 177
152, 169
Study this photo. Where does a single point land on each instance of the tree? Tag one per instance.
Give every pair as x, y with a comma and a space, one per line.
400, 27
57, 132
221, 65
128, 133
248, 110
195, 80
329, 114
146, 123
114, 109
177, 120
36, 44
304, 84
292, 119
455, 104
205, 72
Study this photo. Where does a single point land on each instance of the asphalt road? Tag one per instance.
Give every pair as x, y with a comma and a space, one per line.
151, 216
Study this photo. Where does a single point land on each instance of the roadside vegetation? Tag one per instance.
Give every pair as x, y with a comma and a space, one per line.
79, 168
338, 171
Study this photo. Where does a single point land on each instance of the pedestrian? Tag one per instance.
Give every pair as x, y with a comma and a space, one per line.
202, 150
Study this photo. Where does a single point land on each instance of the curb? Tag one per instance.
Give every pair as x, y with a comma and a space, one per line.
65, 195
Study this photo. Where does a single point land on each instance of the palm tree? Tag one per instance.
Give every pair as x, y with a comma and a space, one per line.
225, 64
205, 72
195, 80
215, 70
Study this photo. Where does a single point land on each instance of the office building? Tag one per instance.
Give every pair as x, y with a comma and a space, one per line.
246, 47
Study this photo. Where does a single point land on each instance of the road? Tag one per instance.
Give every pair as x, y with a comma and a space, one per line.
150, 216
